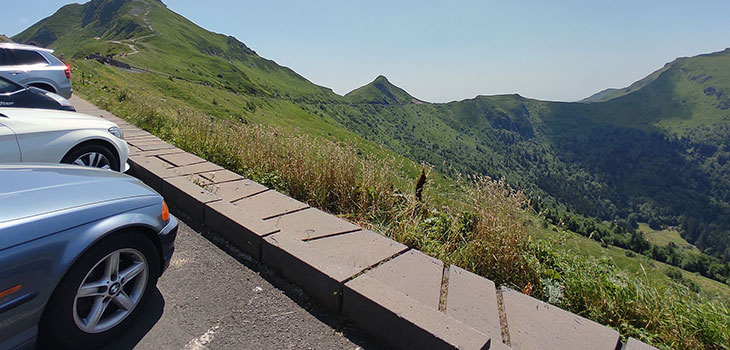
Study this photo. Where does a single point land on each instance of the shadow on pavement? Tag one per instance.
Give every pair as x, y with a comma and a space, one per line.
147, 319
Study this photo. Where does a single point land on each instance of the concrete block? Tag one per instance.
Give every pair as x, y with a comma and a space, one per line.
298, 264
633, 344
269, 204
133, 133
320, 266
154, 146
150, 170
181, 159
221, 176
414, 274
196, 168
472, 300
140, 135
189, 197
352, 253
133, 151
160, 152
403, 322
123, 124
143, 140
311, 224
534, 324
236, 190
238, 227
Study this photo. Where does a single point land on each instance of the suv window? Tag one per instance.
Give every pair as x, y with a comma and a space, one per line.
22, 58
8, 86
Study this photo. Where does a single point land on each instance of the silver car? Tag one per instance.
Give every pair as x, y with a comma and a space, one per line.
80, 253
35, 66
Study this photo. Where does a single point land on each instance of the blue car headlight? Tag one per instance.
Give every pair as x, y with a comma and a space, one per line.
116, 131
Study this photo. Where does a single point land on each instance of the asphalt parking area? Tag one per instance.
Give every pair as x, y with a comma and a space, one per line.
215, 299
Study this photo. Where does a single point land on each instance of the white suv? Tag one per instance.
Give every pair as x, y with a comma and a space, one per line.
35, 66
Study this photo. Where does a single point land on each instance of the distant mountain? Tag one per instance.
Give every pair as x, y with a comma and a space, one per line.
656, 151
74, 23
4, 39
381, 91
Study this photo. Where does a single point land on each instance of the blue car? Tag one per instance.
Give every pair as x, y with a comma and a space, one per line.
80, 253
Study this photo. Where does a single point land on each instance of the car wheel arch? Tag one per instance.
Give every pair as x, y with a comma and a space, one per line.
43, 86
148, 232
97, 231
143, 229
95, 141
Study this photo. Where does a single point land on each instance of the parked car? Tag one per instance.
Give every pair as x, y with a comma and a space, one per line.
13, 94
81, 250
48, 136
35, 66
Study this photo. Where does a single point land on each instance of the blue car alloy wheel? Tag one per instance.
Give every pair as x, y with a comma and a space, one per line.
102, 293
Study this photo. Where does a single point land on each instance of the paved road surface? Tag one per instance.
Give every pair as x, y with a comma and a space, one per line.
208, 299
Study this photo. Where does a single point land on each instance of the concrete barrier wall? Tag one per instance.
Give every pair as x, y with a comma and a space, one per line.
401, 296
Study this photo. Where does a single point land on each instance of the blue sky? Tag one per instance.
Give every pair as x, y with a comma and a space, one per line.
450, 50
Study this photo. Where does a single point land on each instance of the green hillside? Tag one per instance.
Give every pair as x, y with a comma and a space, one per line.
4, 39
380, 91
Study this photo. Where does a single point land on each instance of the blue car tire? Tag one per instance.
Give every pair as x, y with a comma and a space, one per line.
102, 293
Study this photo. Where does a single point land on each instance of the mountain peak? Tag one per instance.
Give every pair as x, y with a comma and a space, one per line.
381, 79
102, 19
381, 91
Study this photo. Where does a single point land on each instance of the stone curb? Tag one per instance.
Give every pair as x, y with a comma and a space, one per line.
404, 322
348, 270
242, 230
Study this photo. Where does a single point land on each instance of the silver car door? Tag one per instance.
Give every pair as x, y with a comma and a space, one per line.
9, 148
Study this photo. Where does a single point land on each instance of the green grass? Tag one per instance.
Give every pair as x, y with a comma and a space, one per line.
639, 264
666, 236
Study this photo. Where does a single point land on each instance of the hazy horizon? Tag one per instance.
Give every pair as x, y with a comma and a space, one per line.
441, 52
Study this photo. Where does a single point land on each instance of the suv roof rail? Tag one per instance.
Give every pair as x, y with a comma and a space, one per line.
21, 46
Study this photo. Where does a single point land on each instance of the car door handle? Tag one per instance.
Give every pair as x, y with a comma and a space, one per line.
16, 72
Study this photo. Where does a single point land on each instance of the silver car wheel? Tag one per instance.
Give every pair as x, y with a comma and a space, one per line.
93, 159
110, 291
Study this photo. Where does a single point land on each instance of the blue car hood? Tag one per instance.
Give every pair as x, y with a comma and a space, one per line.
32, 191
